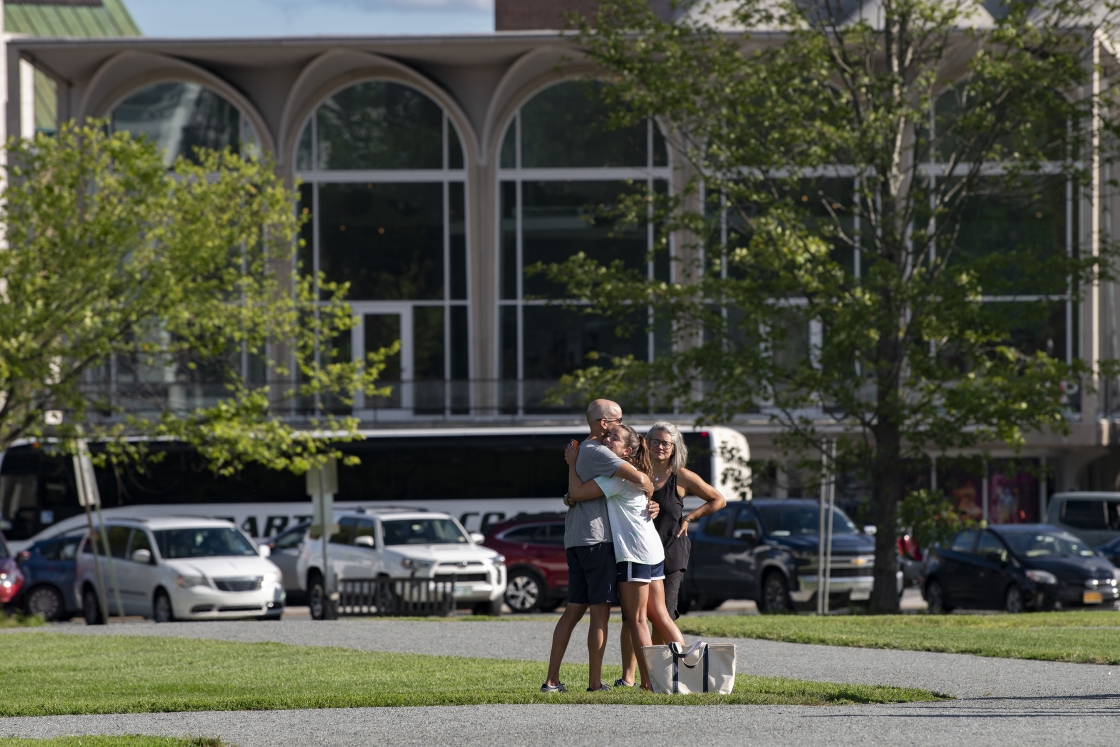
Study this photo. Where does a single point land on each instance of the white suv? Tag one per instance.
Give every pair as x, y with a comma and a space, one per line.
180, 569
402, 544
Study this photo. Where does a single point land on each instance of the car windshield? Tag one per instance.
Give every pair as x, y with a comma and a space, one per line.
1048, 545
786, 521
423, 532
206, 542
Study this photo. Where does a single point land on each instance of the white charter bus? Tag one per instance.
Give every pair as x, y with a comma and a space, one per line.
481, 475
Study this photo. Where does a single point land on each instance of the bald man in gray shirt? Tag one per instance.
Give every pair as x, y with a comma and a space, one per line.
590, 551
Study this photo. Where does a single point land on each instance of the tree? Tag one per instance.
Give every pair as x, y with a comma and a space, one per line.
174, 279
866, 196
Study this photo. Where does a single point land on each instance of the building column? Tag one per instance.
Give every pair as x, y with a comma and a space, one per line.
483, 290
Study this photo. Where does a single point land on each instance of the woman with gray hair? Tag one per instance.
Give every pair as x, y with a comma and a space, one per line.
672, 481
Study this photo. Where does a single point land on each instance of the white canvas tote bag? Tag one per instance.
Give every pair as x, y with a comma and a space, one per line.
704, 668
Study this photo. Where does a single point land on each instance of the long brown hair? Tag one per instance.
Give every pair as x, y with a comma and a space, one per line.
639, 454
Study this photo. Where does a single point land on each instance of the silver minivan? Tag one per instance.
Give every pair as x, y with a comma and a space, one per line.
1094, 517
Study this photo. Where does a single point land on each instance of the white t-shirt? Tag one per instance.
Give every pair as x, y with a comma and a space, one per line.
635, 539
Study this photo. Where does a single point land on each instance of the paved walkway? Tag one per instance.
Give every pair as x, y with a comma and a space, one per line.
1000, 701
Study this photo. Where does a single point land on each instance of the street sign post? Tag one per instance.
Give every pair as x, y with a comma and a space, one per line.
90, 497
322, 484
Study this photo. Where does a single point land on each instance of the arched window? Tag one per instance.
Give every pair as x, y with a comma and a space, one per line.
383, 184
559, 160
180, 117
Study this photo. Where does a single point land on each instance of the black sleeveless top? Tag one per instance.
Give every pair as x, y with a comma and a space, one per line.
668, 523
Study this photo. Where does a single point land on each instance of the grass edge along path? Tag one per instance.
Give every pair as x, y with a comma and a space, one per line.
1090, 637
55, 674
126, 740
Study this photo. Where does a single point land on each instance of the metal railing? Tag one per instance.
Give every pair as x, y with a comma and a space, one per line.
385, 597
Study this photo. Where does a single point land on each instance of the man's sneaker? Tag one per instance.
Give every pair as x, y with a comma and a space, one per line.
603, 687
558, 688
623, 683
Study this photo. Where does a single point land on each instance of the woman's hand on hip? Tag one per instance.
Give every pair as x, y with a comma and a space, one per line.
684, 528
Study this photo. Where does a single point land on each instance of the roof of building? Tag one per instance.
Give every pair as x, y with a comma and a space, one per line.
60, 18
79, 19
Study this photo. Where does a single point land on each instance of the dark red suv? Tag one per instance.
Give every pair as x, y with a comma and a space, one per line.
536, 567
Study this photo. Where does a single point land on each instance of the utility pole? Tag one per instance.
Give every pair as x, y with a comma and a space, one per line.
825, 525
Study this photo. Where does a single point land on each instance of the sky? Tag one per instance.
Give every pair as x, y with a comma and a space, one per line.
163, 18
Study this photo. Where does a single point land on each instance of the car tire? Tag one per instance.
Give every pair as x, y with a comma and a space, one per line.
45, 601
525, 591
91, 608
935, 598
162, 612
553, 604
1013, 600
317, 597
775, 595
493, 608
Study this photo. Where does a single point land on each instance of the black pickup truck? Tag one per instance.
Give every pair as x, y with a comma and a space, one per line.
766, 550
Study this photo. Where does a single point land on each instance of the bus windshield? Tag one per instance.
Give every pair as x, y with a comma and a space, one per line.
422, 532
800, 520
208, 542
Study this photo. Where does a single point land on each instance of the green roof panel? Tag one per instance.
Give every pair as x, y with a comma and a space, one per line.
86, 21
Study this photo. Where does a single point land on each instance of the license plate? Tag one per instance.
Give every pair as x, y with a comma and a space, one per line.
859, 596
1092, 597
462, 590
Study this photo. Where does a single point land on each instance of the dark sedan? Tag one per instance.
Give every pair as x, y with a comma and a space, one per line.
48, 567
1017, 567
1111, 550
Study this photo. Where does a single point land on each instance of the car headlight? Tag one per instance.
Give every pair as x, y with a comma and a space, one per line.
1042, 577
499, 561
188, 581
413, 565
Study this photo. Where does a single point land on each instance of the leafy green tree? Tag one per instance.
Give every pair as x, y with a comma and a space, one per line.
932, 518
175, 278
870, 244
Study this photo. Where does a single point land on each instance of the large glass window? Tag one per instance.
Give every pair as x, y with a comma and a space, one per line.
384, 188
180, 117
560, 161
1004, 226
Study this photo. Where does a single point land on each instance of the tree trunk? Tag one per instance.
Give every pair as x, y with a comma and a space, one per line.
886, 468
887, 472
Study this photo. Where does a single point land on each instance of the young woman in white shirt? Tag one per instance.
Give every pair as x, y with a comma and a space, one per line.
639, 553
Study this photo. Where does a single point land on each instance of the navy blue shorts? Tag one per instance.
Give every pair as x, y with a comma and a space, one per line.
640, 572
591, 574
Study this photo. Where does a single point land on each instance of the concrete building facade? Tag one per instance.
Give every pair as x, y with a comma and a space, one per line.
434, 170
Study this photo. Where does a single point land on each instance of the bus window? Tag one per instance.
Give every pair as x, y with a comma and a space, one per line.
699, 454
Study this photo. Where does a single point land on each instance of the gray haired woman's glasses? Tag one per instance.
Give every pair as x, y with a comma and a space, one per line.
657, 443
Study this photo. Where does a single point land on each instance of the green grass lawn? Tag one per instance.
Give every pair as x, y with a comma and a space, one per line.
132, 740
20, 621
1087, 637
46, 673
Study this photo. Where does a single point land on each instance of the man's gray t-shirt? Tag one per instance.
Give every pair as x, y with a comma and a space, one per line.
587, 522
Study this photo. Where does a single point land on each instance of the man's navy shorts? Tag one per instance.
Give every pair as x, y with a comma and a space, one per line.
591, 574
